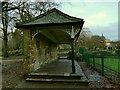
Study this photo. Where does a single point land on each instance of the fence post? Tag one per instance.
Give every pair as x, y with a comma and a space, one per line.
93, 61
102, 63
88, 59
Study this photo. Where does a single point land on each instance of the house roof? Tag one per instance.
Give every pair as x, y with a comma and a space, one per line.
53, 16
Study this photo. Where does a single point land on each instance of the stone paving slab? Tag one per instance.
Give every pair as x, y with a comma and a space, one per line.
62, 66
57, 67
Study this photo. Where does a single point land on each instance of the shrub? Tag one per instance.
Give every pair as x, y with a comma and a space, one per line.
102, 53
77, 56
117, 51
16, 52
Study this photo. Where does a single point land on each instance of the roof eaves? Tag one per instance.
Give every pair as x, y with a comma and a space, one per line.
48, 24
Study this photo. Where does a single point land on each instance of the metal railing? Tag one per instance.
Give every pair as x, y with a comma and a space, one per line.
107, 65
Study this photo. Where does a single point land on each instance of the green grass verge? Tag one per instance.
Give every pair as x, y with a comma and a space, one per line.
110, 63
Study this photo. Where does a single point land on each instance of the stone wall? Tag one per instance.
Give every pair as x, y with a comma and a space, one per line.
37, 51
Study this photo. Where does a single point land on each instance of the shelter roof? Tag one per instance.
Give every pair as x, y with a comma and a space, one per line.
53, 16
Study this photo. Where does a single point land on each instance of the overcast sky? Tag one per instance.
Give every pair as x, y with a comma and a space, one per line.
100, 16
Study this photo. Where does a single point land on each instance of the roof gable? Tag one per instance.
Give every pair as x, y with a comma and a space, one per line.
52, 16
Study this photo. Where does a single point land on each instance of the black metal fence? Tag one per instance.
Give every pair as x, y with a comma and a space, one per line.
107, 65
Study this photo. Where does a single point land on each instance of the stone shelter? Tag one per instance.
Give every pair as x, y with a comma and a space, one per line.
44, 33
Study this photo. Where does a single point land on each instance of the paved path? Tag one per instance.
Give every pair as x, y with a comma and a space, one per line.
11, 60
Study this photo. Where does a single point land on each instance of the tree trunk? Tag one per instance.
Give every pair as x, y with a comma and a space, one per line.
5, 25
5, 44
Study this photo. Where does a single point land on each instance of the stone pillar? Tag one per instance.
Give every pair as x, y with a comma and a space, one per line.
27, 54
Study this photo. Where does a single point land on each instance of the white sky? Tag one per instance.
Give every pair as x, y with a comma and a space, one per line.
100, 16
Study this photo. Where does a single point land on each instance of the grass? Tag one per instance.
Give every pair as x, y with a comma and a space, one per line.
110, 63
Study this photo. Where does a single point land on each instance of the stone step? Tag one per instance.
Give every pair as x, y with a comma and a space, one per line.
65, 76
58, 80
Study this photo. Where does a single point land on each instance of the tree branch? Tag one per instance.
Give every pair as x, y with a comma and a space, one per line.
12, 8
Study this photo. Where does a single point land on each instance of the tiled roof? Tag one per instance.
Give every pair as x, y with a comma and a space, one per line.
51, 17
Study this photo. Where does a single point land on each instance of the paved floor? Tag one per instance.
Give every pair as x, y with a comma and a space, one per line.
59, 66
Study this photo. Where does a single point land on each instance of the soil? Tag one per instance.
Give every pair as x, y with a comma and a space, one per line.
11, 73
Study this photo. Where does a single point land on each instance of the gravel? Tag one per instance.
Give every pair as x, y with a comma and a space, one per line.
11, 73
96, 80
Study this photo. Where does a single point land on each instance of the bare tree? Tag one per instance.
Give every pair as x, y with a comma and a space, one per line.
98, 41
5, 26
84, 38
41, 7
19, 11
6, 8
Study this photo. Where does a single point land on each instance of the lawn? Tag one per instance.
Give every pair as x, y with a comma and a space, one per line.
111, 63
